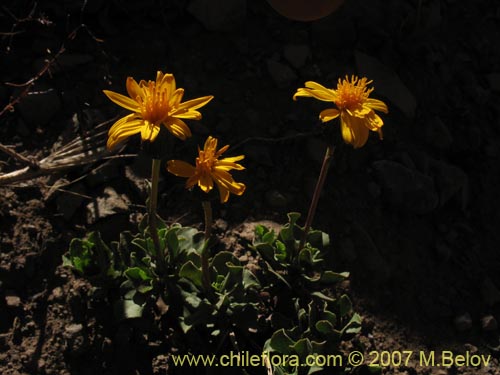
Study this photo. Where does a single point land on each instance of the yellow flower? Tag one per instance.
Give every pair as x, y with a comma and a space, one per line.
356, 109
209, 169
153, 103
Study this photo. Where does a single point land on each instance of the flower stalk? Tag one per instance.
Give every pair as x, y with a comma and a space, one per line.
205, 271
152, 207
317, 193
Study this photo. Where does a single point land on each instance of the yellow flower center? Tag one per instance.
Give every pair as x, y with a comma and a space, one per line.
351, 94
205, 162
154, 104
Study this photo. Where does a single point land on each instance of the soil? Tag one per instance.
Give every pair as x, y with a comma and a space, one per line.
414, 218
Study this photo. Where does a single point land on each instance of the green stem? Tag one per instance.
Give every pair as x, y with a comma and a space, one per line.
205, 271
153, 204
317, 193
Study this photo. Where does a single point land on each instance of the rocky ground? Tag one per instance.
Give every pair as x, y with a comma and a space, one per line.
414, 217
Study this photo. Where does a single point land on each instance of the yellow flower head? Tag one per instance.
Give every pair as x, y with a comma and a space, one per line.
356, 109
209, 169
153, 103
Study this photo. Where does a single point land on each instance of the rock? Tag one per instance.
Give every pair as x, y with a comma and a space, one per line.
275, 199
437, 134
109, 204
296, 54
73, 330
69, 202
102, 174
463, 322
219, 15
40, 105
57, 294
450, 181
282, 75
13, 301
406, 189
489, 323
490, 292
138, 183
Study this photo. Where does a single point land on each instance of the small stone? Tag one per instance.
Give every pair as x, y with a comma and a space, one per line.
463, 322
282, 75
69, 202
109, 204
56, 294
406, 189
296, 54
13, 301
73, 329
489, 323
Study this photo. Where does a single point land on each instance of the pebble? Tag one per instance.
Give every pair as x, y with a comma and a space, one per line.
13, 301
406, 189
110, 203
463, 322
489, 323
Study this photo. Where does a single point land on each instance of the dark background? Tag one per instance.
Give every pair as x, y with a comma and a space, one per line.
414, 217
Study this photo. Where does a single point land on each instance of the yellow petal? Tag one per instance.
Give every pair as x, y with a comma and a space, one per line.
210, 144
122, 100
377, 105
205, 182
373, 121
175, 98
329, 114
149, 132
122, 129
227, 166
318, 94
359, 110
177, 127
354, 131
133, 89
180, 168
233, 159
193, 104
225, 179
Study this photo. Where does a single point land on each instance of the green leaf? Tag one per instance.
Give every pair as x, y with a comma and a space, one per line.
354, 325
330, 277
221, 260
324, 327
172, 242
137, 274
345, 305
322, 296
250, 280
192, 273
281, 342
302, 347
127, 309
318, 239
